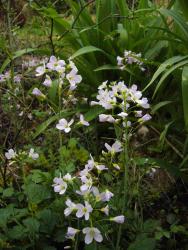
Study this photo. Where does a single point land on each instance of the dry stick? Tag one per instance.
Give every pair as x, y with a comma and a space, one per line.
51, 37
76, 18
169, 143
95, 25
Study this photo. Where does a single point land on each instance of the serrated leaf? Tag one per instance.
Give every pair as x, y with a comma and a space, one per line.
32, 225
37, 193
143, 244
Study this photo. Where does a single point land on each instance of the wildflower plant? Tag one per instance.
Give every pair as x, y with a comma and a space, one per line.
88, 199
130, 58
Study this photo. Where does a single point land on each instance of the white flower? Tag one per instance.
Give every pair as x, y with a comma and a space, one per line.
106, 196
105, 210
72, 65
83, 121
115, 148
17, 79
67, 177
101, 167
84, 172
138, 113
21, 113
118, 219
143, 103
90, 164
106, 99
116, 166
40, 70
106, 118
33, 155
48, 81
10, 154
64, 125
30, 116
56, 65
103, 85
120, 62
60, 186
123, 114
87, 183
70, 207
73, 79
37, 92
84, 210
71, 232
92, 233
96, 193
126, 124
145, 118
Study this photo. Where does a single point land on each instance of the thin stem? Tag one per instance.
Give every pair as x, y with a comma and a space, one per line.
51, 37
59, 94
126, 170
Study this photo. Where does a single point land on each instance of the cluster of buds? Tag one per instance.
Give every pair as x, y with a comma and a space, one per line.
94, 198
127, 101
130, 58
65, 73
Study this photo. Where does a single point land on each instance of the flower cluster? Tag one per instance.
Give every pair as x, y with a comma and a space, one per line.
126, 100
66, 73
93, 200
7, 77
33, 62
11, 154
130, 58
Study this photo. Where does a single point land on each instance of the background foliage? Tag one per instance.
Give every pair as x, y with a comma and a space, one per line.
93, 33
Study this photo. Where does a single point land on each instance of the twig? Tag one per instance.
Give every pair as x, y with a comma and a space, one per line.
169, 143
51, 37
76, 18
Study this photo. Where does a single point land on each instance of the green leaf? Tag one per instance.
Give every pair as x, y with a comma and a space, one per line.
8, 192
37, 193
17, 232
107, 67
5, 214
163, 134
167, 73
32, 225
143, 244
160, 105
86, 50
42, 127
47, 220
123, 9
177, 19
167, 64
150, 225
53, 92
185, 94
93, 113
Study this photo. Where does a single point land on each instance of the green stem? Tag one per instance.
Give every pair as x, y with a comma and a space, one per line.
126, 173
59, 94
